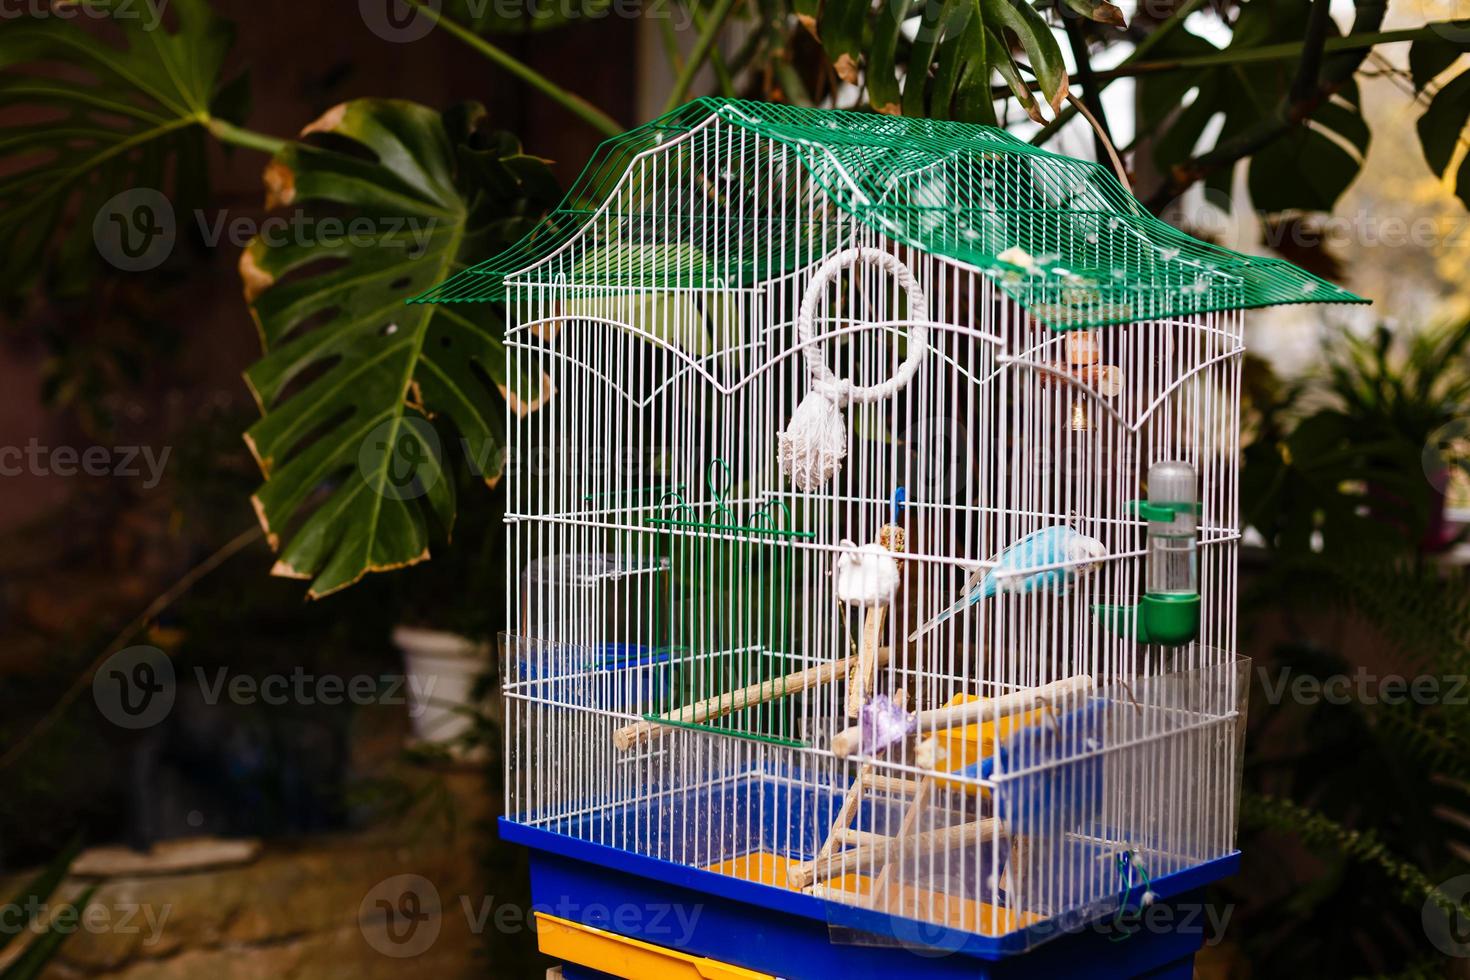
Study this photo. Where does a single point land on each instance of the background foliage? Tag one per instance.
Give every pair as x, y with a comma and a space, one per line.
350, 381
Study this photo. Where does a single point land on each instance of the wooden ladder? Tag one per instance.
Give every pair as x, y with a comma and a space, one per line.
848, 850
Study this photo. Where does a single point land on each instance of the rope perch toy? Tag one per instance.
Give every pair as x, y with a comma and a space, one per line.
812, 448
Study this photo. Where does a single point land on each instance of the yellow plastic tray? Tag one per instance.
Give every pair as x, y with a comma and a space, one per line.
632, 959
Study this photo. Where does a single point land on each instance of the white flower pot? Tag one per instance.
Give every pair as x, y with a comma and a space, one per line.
441, 669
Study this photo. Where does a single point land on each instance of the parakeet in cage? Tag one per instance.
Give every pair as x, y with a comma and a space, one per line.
1051, 558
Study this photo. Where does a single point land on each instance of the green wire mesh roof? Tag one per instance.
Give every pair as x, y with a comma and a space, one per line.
1058, 235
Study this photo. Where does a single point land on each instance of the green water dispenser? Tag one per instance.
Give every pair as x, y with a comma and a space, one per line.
1169, 611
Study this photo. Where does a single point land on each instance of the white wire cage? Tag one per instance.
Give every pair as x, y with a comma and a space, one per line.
723, 651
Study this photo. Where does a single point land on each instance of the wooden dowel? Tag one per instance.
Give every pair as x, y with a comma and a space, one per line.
731, 701
858, 859
848, 837
849, 740
864, 678
862, 675
891, 785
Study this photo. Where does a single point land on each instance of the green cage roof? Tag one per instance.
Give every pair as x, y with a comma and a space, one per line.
1059, 235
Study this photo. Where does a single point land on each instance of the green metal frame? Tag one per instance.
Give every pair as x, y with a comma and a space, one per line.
1058, 235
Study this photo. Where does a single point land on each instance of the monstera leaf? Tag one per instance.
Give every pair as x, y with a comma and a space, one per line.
1445, 126
386, 198
118, 116
1307, 169
937, 57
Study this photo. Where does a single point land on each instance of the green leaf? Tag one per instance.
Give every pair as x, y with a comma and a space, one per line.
1430, 56
937, 57
1309, 168
35, 892
355, 476
1099, 10
841, 32
1442, 130
807, 12
1360, 492
882, 67
32, 961
1040, 45
130, 121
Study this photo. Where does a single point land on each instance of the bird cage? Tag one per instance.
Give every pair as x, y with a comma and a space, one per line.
908, 454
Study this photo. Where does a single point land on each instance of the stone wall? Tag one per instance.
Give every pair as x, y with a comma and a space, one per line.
307, 909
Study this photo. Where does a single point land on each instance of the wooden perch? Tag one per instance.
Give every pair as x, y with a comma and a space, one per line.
849, 740
864, 677
872, 852
731, 701
862, 674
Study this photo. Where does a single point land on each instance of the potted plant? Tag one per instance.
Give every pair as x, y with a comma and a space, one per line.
448, 611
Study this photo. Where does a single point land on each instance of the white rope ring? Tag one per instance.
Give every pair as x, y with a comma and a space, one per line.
814, 352
812, 448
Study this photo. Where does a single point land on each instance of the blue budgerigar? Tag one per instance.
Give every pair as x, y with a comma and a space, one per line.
1048, 546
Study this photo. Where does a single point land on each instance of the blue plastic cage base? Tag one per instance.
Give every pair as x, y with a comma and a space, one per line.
792, 934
